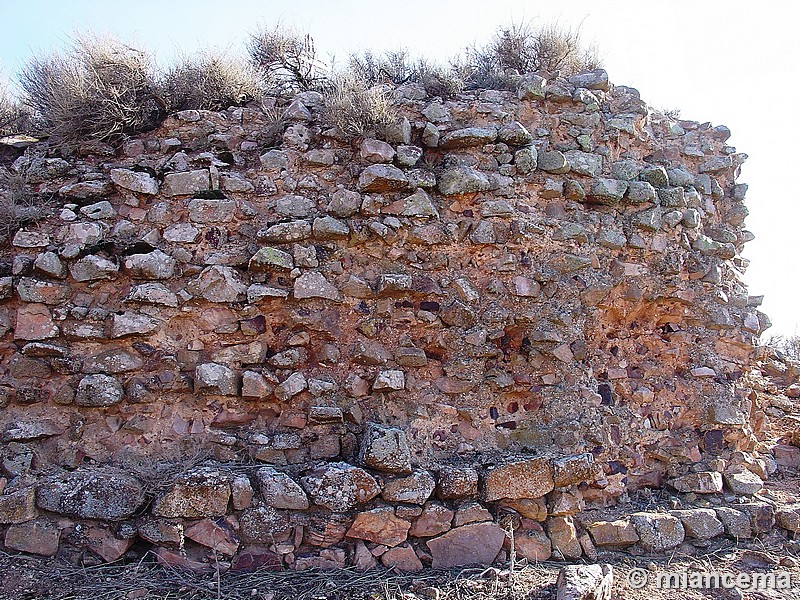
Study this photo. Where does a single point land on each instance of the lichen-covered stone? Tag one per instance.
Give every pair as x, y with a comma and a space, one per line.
340, 486
201, 492
280, 491
92, 494
99, 391
385, 449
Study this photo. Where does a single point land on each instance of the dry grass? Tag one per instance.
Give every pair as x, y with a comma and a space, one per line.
97, 89
210, 81
356, 108
397, 67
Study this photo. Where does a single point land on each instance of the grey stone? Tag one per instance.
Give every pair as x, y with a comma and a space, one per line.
470, 136
185, 183
514, 134
89, 189
340, 486
181, 233
657, 531
93, 267
419, 204
699, 523
328, 228
413, 489
655, 176
382, 178
640, 191
592, 80
219, 283
735, 522
99, 391
531, 87
92, 494
715, 164
153, 265
408, 156
142, 183
213, 378
295, 206
99, 210
320, 157
211, 211
606, 191
526, 160
313, 284
462, 180
290, 387
344, 203
553, 161
743, 483
385, 449
268, 259
705, 482
131, 323
585, 582
391, 380
274, 160
280, 491
284, 233
584, 163
376, 151
398, 132
50, 264
153, 293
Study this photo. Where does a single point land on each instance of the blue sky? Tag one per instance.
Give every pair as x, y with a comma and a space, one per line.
732, 62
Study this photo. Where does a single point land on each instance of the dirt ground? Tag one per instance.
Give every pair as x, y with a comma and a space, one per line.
24, 577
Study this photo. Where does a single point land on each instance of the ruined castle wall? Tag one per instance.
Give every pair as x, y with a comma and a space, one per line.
523, 301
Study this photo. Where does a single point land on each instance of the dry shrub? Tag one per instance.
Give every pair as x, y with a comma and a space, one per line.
210, 81
98, 88
397, 67
19, 205
521, 48
15, 118
287, 59
356, 108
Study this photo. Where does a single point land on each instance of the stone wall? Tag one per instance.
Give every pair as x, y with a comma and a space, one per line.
250, 334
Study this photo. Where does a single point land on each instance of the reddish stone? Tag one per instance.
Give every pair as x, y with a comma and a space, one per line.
613, 533
403, 559
215, 534
435, 519
380, 526
252, 558
564, 537
105, 544
183, 562
530, 508
531, 543
34, 537
476, 544
531, 478
362, 558
34, 322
